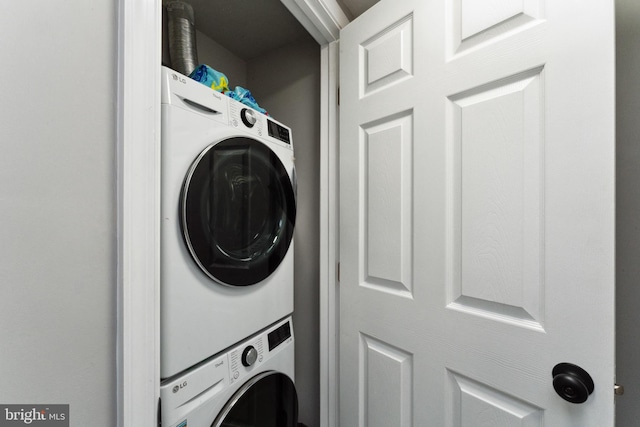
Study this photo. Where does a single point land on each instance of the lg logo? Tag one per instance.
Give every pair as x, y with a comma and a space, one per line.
179, 386
178, 78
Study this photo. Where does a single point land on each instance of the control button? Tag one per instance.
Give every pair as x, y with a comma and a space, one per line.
248, 117
236, 374
249, 356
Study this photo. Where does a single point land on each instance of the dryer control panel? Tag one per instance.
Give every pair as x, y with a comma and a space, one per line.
258, 124
278, 131
240, 116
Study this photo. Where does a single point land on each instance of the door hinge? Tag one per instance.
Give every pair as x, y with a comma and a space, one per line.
338, 272
618, 389
338, 94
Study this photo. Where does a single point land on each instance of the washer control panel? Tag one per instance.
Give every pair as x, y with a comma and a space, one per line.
212, 376
249, 356
243, 358
252, 353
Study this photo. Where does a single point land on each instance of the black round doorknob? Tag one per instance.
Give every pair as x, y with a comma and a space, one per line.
572, 383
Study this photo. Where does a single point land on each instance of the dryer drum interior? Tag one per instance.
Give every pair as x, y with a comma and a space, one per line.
267, 400
238, 211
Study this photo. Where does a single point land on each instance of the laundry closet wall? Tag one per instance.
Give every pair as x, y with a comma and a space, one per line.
58, 206
627, 209
214, 55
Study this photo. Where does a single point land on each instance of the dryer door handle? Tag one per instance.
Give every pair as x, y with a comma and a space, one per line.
200, 107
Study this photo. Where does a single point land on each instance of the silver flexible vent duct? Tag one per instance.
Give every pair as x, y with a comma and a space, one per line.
181, 36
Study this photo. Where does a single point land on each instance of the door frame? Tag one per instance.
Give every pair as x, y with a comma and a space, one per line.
329, 235
138, 204
138, 227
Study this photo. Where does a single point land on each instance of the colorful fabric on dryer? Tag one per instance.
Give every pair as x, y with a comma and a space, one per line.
210, 78
244, 95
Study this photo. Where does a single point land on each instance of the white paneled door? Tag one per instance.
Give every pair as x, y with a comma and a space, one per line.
477, 214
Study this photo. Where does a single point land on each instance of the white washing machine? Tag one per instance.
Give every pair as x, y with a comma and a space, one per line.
250, 385
228, 206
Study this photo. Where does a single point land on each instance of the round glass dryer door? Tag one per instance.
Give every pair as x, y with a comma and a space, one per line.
267, 400
238, 211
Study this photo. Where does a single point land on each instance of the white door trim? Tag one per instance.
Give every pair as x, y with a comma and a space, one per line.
138, 344
329, 233
323, 19
138, 368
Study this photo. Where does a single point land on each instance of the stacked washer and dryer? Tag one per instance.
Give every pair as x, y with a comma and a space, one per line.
228, 206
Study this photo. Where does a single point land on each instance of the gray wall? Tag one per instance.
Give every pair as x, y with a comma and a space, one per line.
287, 83
57, 206
220, 59
628, 209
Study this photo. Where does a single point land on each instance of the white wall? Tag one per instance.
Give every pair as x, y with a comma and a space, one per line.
628, 209
287, 83
57, 205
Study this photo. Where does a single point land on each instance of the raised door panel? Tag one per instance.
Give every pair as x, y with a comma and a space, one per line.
386, 384
496, 223
387, 204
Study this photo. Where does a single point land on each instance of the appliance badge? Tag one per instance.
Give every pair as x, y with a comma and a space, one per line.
179, 386
178, 78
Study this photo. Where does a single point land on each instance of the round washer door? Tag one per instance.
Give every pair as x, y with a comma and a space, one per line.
267, 400
238, 211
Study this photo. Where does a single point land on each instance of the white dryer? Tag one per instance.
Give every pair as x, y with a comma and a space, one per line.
250, 385
228, 209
